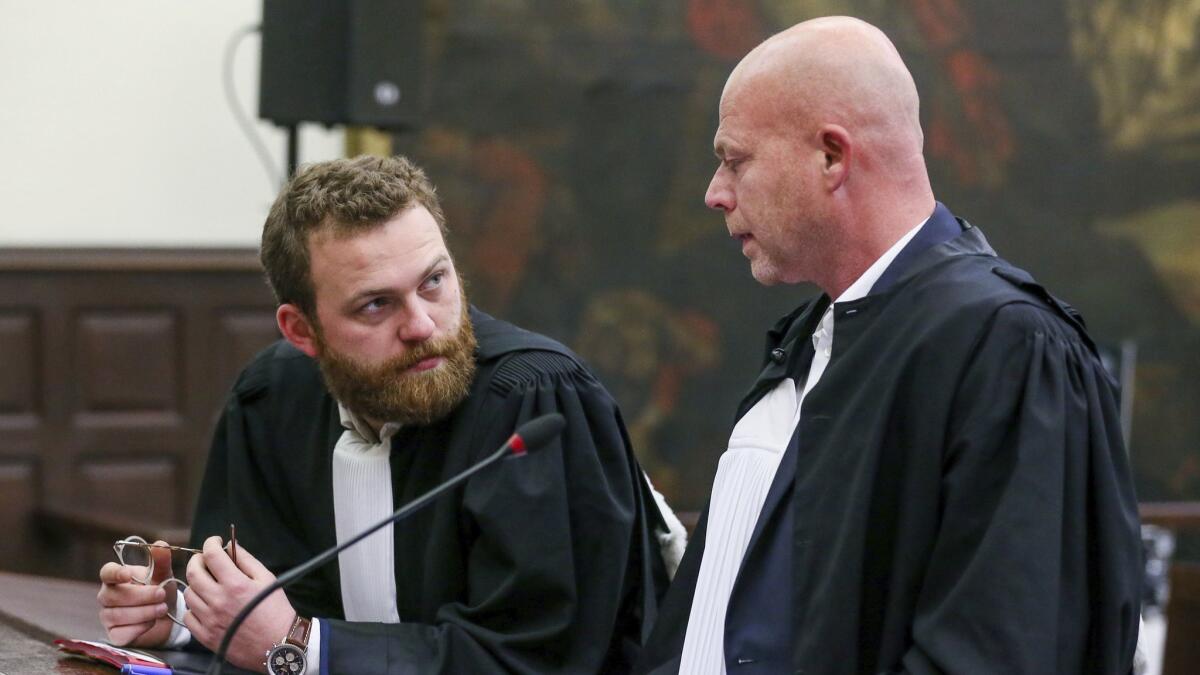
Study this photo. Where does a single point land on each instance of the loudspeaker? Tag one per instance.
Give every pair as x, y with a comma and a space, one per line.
354, 62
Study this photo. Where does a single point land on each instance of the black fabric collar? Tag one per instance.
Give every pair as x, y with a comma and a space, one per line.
788, 339
943, 236
940, 228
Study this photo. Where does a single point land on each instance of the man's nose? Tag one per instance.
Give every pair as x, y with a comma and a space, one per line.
418, 326
719, 196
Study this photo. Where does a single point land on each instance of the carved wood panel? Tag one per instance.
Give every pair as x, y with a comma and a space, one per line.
113, 366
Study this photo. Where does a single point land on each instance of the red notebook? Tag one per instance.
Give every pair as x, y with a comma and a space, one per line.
113, 656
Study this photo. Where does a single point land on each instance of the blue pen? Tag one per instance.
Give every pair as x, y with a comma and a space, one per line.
134, 669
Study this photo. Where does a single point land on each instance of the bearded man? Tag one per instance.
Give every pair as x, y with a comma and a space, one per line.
387, 383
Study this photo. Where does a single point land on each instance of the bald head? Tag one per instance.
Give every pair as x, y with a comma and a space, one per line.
819, 145
837, 70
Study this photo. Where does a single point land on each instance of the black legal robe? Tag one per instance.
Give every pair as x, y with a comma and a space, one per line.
543, 564
961, 500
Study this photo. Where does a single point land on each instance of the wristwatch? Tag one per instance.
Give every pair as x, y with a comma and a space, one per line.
288, 657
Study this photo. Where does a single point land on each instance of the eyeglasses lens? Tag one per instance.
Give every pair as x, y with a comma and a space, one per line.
135, 554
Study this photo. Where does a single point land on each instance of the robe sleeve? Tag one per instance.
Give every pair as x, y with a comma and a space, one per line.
240, 486
556, 539
1037, 562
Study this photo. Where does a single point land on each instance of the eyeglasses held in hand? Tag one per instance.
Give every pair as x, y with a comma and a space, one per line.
135, 553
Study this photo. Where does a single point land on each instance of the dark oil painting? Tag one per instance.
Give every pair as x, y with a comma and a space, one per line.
572, 143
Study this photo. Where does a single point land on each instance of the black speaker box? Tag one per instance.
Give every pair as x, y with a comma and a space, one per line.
354, 62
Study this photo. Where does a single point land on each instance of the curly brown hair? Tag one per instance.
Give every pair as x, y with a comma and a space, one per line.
344, 196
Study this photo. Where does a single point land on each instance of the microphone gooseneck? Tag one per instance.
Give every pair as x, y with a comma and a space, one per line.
529, 436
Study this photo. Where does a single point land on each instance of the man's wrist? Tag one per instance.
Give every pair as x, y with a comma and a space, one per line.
289, 656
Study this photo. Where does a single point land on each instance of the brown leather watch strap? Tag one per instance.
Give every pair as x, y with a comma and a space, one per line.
298, 635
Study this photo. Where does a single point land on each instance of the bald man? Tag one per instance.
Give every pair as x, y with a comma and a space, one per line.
928, 474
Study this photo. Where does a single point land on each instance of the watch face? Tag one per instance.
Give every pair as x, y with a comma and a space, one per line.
285, 659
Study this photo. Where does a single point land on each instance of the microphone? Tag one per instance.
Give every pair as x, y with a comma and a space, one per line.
528, 437
534, 434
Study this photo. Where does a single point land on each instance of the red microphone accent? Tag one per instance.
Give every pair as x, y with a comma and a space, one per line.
517, 444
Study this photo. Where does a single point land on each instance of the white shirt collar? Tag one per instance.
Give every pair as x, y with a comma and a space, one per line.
863, 284
355, 423
822, 337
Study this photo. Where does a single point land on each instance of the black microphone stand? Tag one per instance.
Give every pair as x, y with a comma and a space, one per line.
295, 573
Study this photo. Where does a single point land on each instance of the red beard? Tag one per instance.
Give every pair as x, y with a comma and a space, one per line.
388, 392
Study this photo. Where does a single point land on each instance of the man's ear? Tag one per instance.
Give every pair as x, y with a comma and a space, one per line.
839, 153
296, 328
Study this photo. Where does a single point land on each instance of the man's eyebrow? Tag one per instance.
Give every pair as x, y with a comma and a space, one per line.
369, 292
442, 259
724, 147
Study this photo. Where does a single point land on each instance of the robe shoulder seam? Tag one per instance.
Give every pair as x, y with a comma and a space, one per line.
1033, 320
525, 368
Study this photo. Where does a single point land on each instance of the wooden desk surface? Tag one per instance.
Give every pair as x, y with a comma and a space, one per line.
34, 611
52, 607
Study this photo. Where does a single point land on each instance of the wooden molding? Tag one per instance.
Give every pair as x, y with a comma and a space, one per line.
1177, 516
129, 260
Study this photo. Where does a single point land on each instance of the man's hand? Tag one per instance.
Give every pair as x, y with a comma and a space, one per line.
136, 614
217, 591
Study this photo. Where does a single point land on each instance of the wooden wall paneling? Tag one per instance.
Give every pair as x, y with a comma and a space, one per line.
129, 368
20, 359
130, 394
18, 496
55, 297
239, 334
1181, 653
21, 415
25, 406
140, 486
232, 333
114, 364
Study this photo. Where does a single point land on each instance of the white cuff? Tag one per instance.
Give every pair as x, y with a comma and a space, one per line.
179, 636
312, 658
671, 543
